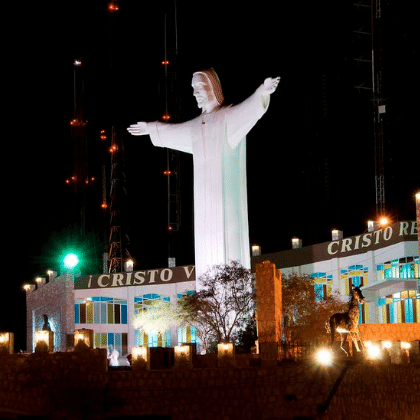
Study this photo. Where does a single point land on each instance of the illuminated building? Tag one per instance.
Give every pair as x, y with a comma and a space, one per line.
384, 262
107, 304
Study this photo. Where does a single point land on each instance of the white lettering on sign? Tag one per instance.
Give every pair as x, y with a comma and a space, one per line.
387, 233
117, 279
138, 278
372, 238
404, 228
166, 275
367, 240
188, 273
100, 280
414, 228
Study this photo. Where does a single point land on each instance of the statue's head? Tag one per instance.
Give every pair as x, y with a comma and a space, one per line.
207, 90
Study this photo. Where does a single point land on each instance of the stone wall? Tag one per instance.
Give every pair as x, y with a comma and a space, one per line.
76, 384
56, 300
390, 332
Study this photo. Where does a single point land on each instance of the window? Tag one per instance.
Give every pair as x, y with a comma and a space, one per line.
111, 341
186, 335
354, 275
100, 310
402, 268
401, 307
323, 285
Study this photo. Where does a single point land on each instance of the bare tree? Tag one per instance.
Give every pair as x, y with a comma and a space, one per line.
224, 303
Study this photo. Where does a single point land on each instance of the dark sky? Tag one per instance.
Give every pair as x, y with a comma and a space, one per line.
310, 158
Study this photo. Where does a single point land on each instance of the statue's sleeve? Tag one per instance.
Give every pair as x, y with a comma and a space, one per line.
172, 136
242, 117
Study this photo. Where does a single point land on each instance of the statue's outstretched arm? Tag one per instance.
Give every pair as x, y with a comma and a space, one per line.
270, 85
139, 129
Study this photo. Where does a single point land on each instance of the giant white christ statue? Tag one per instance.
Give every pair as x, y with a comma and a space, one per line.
217, 141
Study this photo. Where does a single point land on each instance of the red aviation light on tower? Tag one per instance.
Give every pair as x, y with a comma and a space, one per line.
113, 6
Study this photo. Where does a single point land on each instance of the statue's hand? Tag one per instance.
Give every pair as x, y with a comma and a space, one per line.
270, 85
139, 129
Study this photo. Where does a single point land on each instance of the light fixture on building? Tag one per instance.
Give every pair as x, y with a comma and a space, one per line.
226, 355
255, 250
28, 288
171, 262
40, 281
83, 336
183, 357
405, 345
140, 358
44, 341
6, 342
372, 225
128, 265
336, 234
296, 243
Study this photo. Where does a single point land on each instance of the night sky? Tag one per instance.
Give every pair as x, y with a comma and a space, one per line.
310, 158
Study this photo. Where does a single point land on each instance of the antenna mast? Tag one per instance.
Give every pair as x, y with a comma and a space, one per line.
172, 156
378, 102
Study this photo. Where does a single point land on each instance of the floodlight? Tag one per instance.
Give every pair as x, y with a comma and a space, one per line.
71, 260
324, 357
373, 351
386, 344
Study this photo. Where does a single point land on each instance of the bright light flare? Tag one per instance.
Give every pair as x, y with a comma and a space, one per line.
383, 221
324, 357
71, 260
386, 344
405, 345
373, 351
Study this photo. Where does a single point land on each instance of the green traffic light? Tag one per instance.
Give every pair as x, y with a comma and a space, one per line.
71, 260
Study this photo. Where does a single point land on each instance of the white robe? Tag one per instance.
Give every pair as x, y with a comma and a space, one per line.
217, 142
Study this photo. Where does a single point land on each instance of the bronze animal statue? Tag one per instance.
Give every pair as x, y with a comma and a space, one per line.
347, 322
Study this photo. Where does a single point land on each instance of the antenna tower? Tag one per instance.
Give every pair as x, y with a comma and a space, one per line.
79, 180
373, 32
173, 166
118, 237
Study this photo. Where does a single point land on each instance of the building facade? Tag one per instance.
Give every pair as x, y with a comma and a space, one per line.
107, 304
384, 262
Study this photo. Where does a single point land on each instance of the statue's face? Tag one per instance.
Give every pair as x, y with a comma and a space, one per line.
203, 92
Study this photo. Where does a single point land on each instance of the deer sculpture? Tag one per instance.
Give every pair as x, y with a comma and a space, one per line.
347, 322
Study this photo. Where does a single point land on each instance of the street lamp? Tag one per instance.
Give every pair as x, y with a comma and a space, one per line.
70, 261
